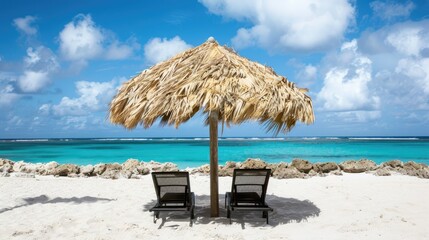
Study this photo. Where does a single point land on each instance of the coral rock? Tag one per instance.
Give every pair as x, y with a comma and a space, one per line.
204, 169
336, 172
228, 169
302, 165
18, 165
86, 170
169, 167
413, 165
290, 172
252, 163
382, 172
358, 166
325, 167
6, 168
312, 173
130, 165
393, 164
99, 169
4, 161
49, 168
112, 171
66, 169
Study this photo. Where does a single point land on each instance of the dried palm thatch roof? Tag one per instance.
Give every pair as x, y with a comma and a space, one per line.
211, 78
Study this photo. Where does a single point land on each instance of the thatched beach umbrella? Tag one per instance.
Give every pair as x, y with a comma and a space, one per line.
225, 87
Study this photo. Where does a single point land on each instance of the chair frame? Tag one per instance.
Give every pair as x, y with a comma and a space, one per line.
163, 205
232, 200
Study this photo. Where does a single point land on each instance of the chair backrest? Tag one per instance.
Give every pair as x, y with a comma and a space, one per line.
171, 182
251, 180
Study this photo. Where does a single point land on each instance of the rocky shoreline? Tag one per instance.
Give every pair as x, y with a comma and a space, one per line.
133, 168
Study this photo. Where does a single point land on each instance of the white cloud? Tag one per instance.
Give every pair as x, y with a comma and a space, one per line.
93, 96
399, 53
417, 69
82, 40
74, 122
41, 58
38, 67
158, 50
409, 40
24, 25
32, 57
39, 64
389, 10
33, 81
119, 51
346, 83
284, 25
405, 38
45, 109
7, 95
307, 75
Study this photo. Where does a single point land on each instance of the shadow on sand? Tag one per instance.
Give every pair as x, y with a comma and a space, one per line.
286, 210
43, 199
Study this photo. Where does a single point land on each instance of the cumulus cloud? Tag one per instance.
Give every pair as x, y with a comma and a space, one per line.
345, 86
93, 96
158, 50
407, 38
284, 25
417, 69
33, 81
24, 25
307, 75
7, 95
7, 91
400, 55
119, 51
82, 40
39, 64
390, 10
407, 86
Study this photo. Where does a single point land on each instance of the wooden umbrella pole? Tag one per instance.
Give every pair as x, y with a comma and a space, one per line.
214, 188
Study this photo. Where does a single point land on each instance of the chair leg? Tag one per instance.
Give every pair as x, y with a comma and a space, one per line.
155, 216
192, 216
266, 213
228, 215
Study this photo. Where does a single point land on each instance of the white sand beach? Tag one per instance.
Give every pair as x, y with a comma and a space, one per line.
352, 206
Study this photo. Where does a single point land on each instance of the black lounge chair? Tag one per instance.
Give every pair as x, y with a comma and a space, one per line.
249, 187
173, 193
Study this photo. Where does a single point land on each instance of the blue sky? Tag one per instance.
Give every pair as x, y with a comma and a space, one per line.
366, 63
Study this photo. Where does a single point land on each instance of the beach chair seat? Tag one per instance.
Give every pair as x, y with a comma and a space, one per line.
248, 191
173, 192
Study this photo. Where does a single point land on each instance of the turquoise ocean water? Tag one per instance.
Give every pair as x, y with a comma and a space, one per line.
193, 152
